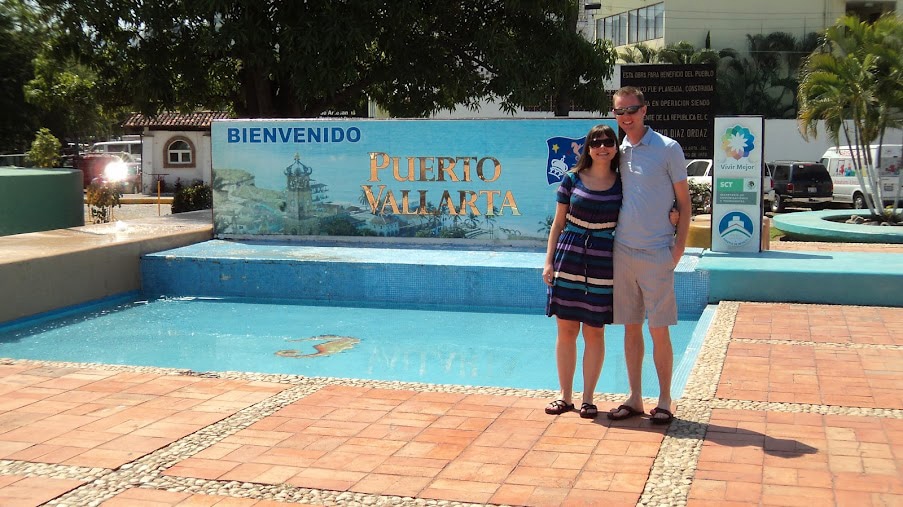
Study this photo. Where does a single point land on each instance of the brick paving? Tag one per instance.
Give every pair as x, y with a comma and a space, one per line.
803, 414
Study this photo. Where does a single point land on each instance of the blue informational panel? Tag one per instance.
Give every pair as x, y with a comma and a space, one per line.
737, 192
487, 180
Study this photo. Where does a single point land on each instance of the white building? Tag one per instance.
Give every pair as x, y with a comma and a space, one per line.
658, 23
174, 147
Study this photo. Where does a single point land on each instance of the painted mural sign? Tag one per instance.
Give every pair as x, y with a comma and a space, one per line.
737, 186
487, 180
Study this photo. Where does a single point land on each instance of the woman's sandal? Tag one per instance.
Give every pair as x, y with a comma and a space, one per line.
559, 407
588, 411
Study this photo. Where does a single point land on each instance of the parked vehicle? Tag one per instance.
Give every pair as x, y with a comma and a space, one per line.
806, 184
118, 167
130, 146
701, 171
839, 162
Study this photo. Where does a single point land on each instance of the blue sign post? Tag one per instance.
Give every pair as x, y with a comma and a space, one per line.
737, 186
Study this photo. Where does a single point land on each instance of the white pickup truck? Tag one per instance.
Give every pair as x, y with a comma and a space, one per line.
700, 171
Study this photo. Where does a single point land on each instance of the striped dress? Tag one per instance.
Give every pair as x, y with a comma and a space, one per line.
582, 287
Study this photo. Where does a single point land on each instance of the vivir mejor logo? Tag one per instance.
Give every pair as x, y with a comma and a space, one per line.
737, 142
736, 228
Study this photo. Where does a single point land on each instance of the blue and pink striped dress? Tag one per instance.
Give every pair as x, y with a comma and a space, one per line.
582, 288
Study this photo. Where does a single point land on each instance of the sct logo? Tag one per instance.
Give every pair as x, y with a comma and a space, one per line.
737, 142
736, 228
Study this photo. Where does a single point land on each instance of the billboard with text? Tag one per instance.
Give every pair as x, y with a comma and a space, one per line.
681, 100
488, 180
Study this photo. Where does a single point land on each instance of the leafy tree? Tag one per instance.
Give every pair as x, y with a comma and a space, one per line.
853, 82
45, 150
67, 93
277, 58
20, 35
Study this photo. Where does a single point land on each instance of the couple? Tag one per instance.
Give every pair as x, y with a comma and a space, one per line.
597, 276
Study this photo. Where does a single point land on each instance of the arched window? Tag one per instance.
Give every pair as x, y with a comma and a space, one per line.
179, 153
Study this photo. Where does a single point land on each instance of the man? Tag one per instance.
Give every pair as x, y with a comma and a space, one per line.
654, 176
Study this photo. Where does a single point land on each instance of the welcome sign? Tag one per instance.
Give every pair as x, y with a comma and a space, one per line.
486, 180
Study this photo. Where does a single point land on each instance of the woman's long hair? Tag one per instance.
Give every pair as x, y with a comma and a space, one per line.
586, 160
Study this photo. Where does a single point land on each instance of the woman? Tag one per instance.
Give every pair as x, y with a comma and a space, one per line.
578, 268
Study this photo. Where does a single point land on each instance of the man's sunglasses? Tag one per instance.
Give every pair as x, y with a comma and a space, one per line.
607, 142
626, 110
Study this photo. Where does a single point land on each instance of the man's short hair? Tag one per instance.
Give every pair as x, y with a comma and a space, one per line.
631, 90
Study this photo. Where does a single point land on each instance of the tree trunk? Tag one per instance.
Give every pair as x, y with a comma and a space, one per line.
563, 92
258, 93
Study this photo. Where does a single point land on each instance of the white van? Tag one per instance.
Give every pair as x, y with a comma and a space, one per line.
130, 146
839, 161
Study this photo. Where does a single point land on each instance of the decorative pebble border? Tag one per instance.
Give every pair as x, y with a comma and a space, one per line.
880, 346
668, 484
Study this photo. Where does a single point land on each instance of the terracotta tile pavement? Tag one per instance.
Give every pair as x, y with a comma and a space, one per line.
457, 447
819, 323
781, 458
826, 371
21, 491
771, 458
813, 374
96, 418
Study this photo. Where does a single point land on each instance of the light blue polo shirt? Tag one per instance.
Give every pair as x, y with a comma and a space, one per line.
649, 171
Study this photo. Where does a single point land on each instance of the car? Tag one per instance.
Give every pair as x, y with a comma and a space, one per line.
111, 167
699, 171
805, 184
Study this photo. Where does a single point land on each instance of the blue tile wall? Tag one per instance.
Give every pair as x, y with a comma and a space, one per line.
408, 277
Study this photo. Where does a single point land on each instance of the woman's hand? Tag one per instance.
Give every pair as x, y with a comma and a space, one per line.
548, 275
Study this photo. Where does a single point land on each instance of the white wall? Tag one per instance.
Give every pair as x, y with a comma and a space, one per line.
783, 141
153, 157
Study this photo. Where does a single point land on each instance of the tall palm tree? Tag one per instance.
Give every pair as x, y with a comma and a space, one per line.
853, 83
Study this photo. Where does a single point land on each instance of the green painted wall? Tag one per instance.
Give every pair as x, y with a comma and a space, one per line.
40, 200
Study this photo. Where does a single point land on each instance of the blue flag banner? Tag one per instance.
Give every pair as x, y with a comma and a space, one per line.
563, 155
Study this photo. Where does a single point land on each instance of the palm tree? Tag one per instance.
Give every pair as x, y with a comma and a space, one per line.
638, 53
853, 83
683, 52
765, 82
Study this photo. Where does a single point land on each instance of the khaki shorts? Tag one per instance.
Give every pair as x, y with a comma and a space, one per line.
644, 286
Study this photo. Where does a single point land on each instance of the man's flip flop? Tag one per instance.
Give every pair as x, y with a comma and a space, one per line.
631, 412
661, 420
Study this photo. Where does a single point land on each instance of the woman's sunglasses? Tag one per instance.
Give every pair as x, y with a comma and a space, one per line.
606, 141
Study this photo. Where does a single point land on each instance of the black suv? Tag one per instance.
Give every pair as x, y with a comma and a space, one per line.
800, 184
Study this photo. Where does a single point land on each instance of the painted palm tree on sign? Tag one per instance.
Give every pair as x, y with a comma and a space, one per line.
853, 83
